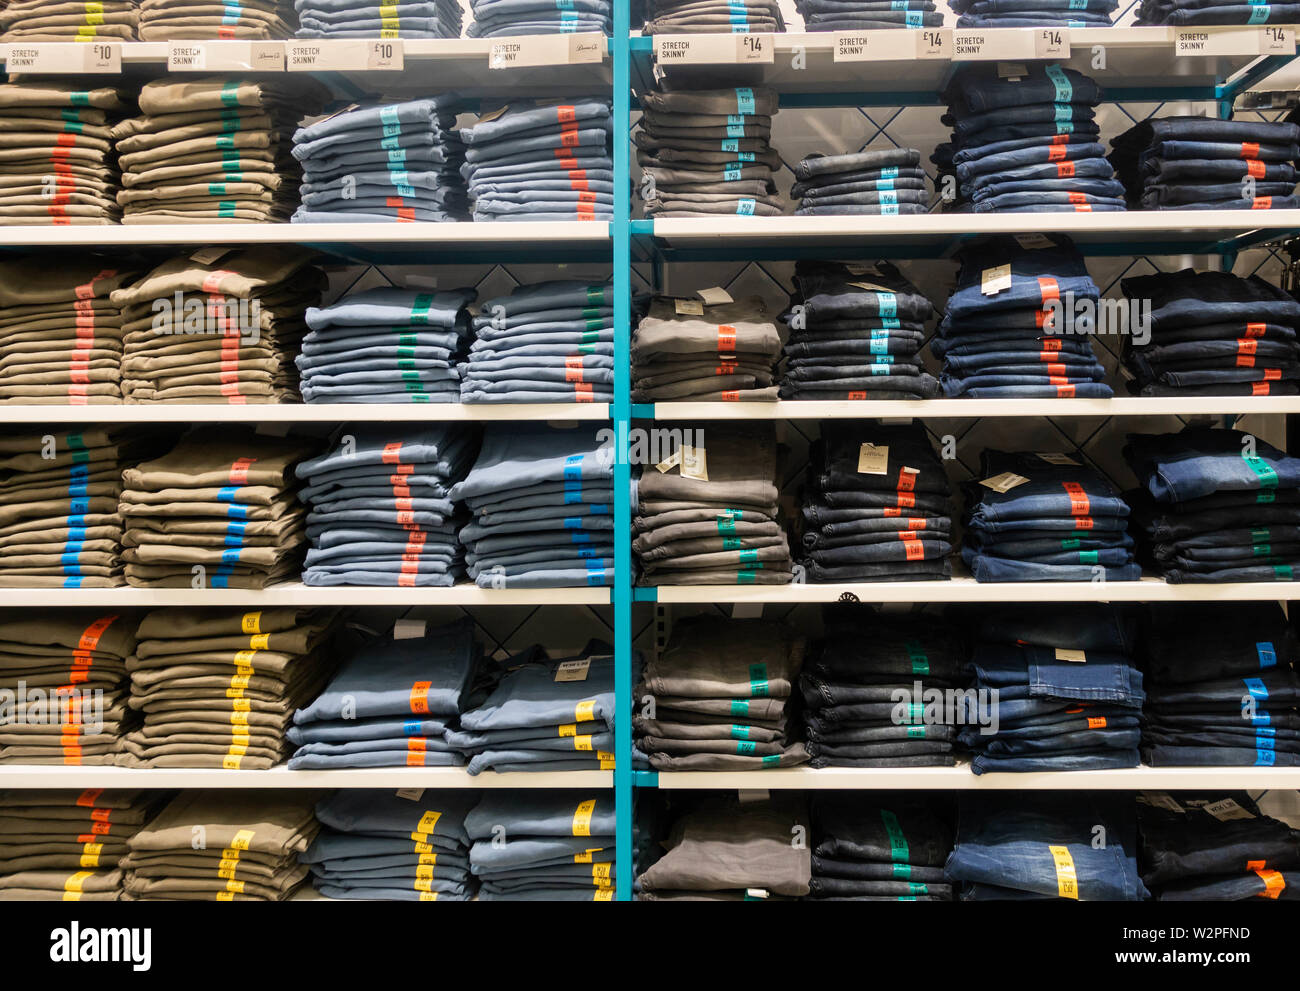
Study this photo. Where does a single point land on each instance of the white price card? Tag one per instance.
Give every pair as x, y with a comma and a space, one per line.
1267, 40
387, 55
225, 56
344, 55
546, 49
933, 43
1013, 44
65, 57
715, 49
883, 46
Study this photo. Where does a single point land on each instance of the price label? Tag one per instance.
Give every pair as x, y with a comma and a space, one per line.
65, 58
547, 49
1276, 41
1011, 44
716, 49
225, 56
386, 56
344, 55
883, 46
1235, 41
933, 43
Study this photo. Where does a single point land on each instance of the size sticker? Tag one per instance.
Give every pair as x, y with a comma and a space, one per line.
1067, 880
582, 817
1228, 809
1073, 656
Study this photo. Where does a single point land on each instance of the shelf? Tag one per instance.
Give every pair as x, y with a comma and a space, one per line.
1141, 65
304, 413
969, 590
294, 594
32, 776
449, 243
960, 778
936, 235
430, 65
971, 408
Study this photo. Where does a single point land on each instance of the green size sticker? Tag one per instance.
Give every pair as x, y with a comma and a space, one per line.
916, 654
596, 294
1259, 535
915, 731
216, 189
740, 732
420, 309
1283, 572
594, 327
746, 578
731, 543
225, 209
749, 556
903, 871
772, 759
897, 841
758, 680
739, 708
1262, 550
1071, 544
1266, 496
1263, 471
917, 888
79, 98
746, 749
407, 338
230, 93
1089, 557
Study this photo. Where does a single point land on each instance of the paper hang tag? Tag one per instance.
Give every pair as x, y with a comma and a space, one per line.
747, 795
1073, 656
715, 296
995, 280
688, 307
573, 670
1033, 242
409, 629
410, 794
760, 893
695, 463
873, 460
871, 286
484, 118
857, 268
670, 462
210, 256
1012, 70
1228, 809
1005, 482
1163, 800
1059, 459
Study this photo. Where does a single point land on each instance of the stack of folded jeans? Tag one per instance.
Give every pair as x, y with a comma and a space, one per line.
249, 20
544, 715
28, 21
685, 349
67, 845
391, 702
706, 153
378, 18
57, 166
219, 330
1028, 143
1010, 329
1213, 333
501, 18
381, 845
1065, 694
865, 690
867, 15
1034, 13
550, 342
885, 182
879, 850
1045, 517
216, 511
392, 163
386, 345
1187, 12
721, 691
542, 504
1219, 506
249, 848
1216, 846
66, 680
60, 334
60, 523
729, 850
875, 505
1203, 661
549, 846
545, 160
712, 17
1037, 845
212, 150
1203, 163
218, 687
380, 511
707, 514
855, 333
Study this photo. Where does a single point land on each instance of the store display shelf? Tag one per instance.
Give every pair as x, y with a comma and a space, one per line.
305, 413
966, 589
294, 594
969, 408
960, 778
1136, 63
430, 243
936, 235
34, 776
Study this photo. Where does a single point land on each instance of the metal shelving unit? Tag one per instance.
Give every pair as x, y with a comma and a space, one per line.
43, 777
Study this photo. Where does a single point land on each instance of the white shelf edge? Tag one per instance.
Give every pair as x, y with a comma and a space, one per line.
295, 594
966, 589
793, 409
40, 777
303, 413
960, 778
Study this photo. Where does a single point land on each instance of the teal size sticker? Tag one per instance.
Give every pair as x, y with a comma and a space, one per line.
897, 841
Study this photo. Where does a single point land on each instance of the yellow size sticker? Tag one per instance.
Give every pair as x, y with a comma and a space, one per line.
244, 659
251, 622
1067, 881
585, 712
582, 743
582, 817
73, 885
259, 642
568, 729
428, 821
603, 895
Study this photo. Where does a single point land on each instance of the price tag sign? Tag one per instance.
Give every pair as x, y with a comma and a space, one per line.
225, 56
883, 46
1266, 40
386, 56
1011, 44
933, 43
717, 49
344, 55
62, 58
1276, 41
547, 49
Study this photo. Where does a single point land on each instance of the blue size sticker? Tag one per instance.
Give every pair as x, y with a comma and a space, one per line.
1256, 687
884, 183
731, 175
595, 575
888, 304
1259, 14
731, 145
1064, 90
914, 18
1267, 655
745, 102
745, 207
1064, 111
879, 346
573, 466
887, 196
1064, 127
